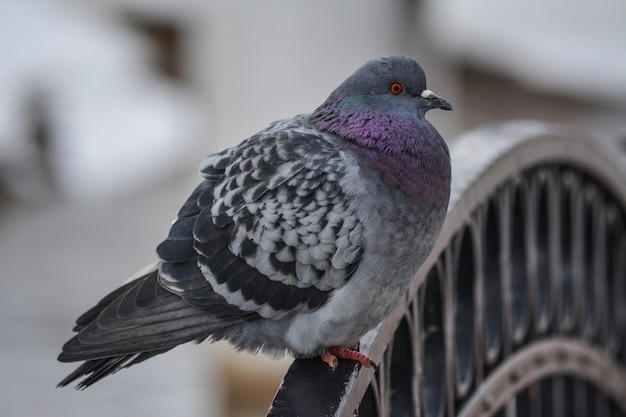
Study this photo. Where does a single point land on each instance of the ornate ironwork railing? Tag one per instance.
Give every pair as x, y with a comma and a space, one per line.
521, 308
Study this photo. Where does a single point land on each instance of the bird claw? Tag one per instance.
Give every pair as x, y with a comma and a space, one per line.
331, 354
330, 359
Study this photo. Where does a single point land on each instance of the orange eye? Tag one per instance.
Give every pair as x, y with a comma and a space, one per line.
395, 88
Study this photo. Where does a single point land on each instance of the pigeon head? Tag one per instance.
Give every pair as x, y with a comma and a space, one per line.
384, 101
379, 113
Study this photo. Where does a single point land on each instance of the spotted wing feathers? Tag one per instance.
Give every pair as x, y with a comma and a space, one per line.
271, 227
269, 232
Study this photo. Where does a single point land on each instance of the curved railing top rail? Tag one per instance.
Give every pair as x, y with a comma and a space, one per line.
482, 160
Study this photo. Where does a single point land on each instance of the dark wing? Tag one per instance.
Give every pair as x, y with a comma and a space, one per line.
270, 231
271, 228
133, 323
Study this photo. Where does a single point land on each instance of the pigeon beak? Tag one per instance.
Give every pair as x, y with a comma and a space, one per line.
433, 101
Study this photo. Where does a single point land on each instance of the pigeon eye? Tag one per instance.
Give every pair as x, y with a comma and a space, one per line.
395, 88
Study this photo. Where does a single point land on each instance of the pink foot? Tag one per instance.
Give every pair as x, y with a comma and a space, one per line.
331, 354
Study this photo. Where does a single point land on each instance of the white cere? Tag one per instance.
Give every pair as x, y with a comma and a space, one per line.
427, 94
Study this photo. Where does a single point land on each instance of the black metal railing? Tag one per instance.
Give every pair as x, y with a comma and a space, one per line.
521, 308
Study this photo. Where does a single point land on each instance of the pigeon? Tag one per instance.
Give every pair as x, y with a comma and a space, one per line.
297, 241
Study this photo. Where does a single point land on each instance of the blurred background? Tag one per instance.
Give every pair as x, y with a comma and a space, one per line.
106, 109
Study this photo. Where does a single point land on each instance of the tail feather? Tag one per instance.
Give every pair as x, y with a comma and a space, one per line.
96, 369
133, 323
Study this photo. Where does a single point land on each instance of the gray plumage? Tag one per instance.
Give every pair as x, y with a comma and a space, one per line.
302, 237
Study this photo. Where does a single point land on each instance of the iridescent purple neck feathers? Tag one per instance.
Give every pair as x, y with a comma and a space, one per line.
408, 152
